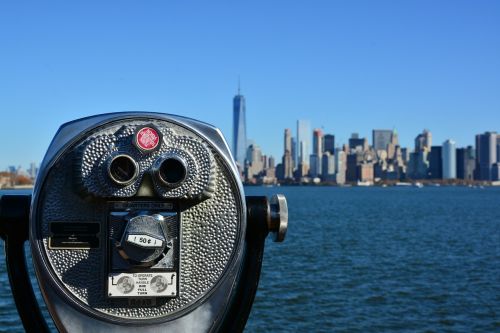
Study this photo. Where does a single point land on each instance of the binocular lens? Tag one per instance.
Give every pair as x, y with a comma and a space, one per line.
172, 171
123, 169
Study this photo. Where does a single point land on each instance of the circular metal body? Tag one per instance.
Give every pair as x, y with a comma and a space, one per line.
92, 271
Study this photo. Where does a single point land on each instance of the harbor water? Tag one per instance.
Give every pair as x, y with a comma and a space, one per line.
372, 260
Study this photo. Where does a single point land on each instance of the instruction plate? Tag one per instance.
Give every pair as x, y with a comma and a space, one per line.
136, 285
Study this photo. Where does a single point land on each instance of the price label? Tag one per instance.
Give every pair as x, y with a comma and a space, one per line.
145, 241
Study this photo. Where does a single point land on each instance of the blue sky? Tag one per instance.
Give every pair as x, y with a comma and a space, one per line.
347, 66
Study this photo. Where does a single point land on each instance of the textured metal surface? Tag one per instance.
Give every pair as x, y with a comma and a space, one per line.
97, 151
210, 219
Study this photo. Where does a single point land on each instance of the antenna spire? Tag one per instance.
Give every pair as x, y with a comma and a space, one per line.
239, 85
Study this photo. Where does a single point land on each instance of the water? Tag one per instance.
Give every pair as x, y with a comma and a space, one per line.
373, 260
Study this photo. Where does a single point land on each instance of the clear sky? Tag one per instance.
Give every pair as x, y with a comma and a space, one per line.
347, 66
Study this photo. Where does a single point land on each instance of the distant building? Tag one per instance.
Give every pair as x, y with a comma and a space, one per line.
393, 148
255, 162
486, 155
418, 165
6, 179
353, 161
381, 139
357, 143
287, 144
466, 163
280, 172
287, 161
365, 172
405, 155
449, 160
32, 171
318, 141
328, 166
317, 153
435, 157
287, 165
340, 166
329, 143
495, 172
423, 141
239, 129
303, 145
269, 176
315, 165
498, 148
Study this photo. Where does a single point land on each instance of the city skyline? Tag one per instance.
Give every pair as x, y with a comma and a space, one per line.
493, 145
382, 160
347, 67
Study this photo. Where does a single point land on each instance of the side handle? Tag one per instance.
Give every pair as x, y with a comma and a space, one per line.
14, 226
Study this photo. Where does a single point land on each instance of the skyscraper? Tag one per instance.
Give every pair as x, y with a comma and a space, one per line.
393, 146
239, 129
357, 143
486, 155
288, 140
340, 166
449, 160
423, 141
329, 143
317, 141
495, 172
255, 162
435, 157
466, 163
287, 155
327, 166
303, 145
295, 156
381, 138
498, 148
317, 153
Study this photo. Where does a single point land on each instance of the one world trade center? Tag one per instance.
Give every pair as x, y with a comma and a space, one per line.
239, 129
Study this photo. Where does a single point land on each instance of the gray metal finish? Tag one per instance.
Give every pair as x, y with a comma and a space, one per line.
278, 221
212, 220
98, 150
147, 228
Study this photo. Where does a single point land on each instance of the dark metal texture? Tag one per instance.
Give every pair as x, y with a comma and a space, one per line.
258, 215
14, 221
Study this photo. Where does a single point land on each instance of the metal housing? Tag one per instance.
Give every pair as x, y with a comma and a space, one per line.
204, 297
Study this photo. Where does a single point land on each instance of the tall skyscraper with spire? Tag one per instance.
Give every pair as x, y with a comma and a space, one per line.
239, 128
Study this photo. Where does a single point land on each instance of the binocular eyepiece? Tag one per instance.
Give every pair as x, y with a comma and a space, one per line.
139, 220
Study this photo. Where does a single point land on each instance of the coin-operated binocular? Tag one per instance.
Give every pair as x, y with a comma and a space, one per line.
139, 221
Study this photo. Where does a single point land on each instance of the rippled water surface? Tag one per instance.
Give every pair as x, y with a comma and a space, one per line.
373, 260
